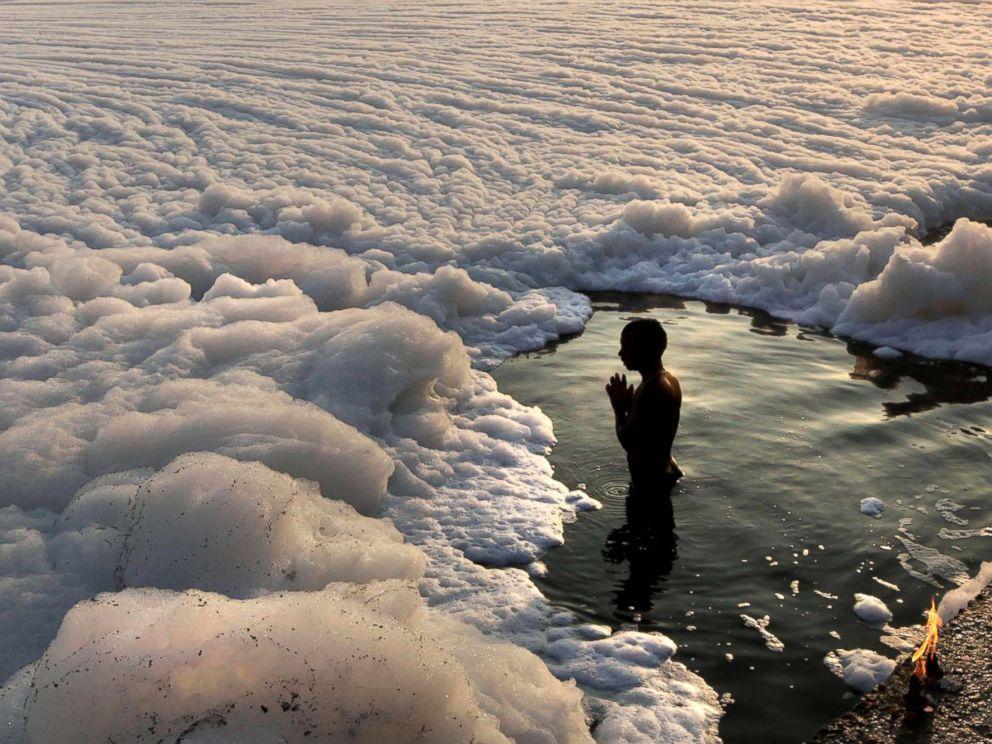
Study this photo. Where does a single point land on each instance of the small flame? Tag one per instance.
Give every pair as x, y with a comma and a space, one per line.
928, 649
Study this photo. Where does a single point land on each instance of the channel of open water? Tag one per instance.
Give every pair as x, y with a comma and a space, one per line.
784, 431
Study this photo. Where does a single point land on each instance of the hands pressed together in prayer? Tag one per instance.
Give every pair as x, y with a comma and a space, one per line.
621, 394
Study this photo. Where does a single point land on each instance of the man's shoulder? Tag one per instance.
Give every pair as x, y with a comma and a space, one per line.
666, 387
670, 385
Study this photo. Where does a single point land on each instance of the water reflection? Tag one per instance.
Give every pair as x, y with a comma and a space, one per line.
647, 542
766, 325
634, 303
943, 383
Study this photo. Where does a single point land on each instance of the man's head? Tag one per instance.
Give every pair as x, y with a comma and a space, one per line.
642, 342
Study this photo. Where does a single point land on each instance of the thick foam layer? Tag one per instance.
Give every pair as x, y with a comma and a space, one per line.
287, 667
377, 407
302, 266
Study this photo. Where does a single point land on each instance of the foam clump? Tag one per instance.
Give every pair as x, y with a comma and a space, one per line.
257, 363
911, 105
871, 609
244, 266
331, 277
204, 521
492, 321
810, 204
612, 181
935, 300
641, 693
293, 211
671, 219
672, 705
861, 669
366, 663
614, 662
214, 523
872, 507
760, 624
247, 422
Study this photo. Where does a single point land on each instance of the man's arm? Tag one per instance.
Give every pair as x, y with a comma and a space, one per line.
631, 431
647, 424
620, 418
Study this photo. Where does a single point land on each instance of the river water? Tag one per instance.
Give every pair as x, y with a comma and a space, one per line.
784, 431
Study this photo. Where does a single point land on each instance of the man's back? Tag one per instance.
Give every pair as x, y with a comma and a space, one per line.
651, 428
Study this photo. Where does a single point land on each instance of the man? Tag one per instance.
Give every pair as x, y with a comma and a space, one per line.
646, 418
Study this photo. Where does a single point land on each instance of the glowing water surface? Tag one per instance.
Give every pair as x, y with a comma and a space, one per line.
783, 432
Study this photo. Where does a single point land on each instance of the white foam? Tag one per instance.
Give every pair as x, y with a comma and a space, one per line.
287, 664
933, 565
945, 534
761, 625
860, 668
886, 584
948, 509
302, 264
958, 598
911, 105
933, 300
871, 609
872, 506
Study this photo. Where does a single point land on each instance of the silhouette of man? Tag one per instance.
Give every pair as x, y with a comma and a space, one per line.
647, 417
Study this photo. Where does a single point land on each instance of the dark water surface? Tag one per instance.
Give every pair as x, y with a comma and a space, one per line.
783, 432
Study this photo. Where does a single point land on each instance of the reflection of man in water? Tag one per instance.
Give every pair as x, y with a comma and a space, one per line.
647, 419
648, 543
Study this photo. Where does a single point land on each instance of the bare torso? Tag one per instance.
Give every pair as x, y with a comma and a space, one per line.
650, 429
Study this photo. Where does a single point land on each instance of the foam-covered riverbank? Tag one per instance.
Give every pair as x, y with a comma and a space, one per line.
280, 243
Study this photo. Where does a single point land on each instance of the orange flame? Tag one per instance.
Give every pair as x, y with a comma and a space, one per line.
927, 649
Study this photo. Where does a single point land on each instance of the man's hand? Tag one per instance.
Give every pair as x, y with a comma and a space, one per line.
621, 394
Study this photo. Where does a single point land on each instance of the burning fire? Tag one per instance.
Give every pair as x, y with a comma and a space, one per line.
928, 649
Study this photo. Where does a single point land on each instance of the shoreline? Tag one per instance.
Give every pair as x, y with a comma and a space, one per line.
960, 716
